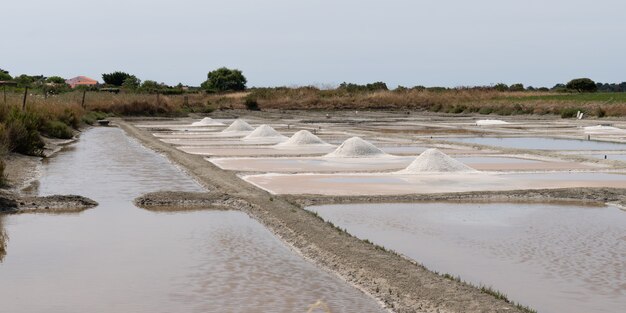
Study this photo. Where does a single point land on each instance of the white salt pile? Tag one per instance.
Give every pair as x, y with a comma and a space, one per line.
264, 131
207, 121
238, 126
490, 122
303, 138
435, 161
356, 147
601, 129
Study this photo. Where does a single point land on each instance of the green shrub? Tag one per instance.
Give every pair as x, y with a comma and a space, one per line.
3, 180
251, 104
23, 139
569, 112
458, 109
92, 117
70, 118
22, 132
485, 110
58, 129
3, 151
435, 108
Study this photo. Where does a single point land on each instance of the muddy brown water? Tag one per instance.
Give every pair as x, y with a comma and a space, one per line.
119, 258
553, 258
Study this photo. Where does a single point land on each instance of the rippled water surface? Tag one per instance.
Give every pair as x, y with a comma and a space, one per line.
554, 258
118, 258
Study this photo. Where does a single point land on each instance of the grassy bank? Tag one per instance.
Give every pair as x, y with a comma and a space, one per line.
22, 127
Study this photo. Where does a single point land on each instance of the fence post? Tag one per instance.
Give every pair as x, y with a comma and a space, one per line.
158, 99
82, 102
4, 87
186, 101
24, 100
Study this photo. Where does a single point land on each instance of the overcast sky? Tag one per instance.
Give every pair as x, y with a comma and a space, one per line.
323, 42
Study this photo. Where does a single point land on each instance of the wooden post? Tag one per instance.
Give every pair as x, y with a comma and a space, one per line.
158, 100
4, 87
24, 100
82, 102
186, 101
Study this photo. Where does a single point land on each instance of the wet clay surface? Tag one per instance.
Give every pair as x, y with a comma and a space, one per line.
555, 258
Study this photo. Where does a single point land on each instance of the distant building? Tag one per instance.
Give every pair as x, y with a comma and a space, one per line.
81, 81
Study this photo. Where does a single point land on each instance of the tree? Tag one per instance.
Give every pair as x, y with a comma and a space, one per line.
24, 80
55, 80
131, 83
516, 87
582, 85
350, 87
4, 75
150, 86
115, 78
501, 87
225, 79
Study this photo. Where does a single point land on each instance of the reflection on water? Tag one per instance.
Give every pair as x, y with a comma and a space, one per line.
553, 258
118, 258
540, 143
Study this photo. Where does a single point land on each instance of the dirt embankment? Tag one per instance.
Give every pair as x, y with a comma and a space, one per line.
12, 204
401, 284
578, 196
172, 201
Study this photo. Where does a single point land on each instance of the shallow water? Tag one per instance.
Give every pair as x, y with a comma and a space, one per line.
321, 164
540, 143
118, 258
616, 157
404, 150
554, 258
495, 160
395, 183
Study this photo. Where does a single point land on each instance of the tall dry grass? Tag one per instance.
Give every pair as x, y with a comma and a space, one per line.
483, 101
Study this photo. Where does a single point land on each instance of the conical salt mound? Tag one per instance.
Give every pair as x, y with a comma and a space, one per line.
435, 161
263, 131
356, 147
238, 126
303, 138
600, 129
206, 121
490, 122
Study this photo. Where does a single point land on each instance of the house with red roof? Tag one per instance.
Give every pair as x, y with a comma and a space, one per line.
81, 81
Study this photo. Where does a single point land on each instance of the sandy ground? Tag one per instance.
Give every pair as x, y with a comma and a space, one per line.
399, 283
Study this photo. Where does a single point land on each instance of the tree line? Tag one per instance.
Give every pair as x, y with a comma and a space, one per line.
229, 80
